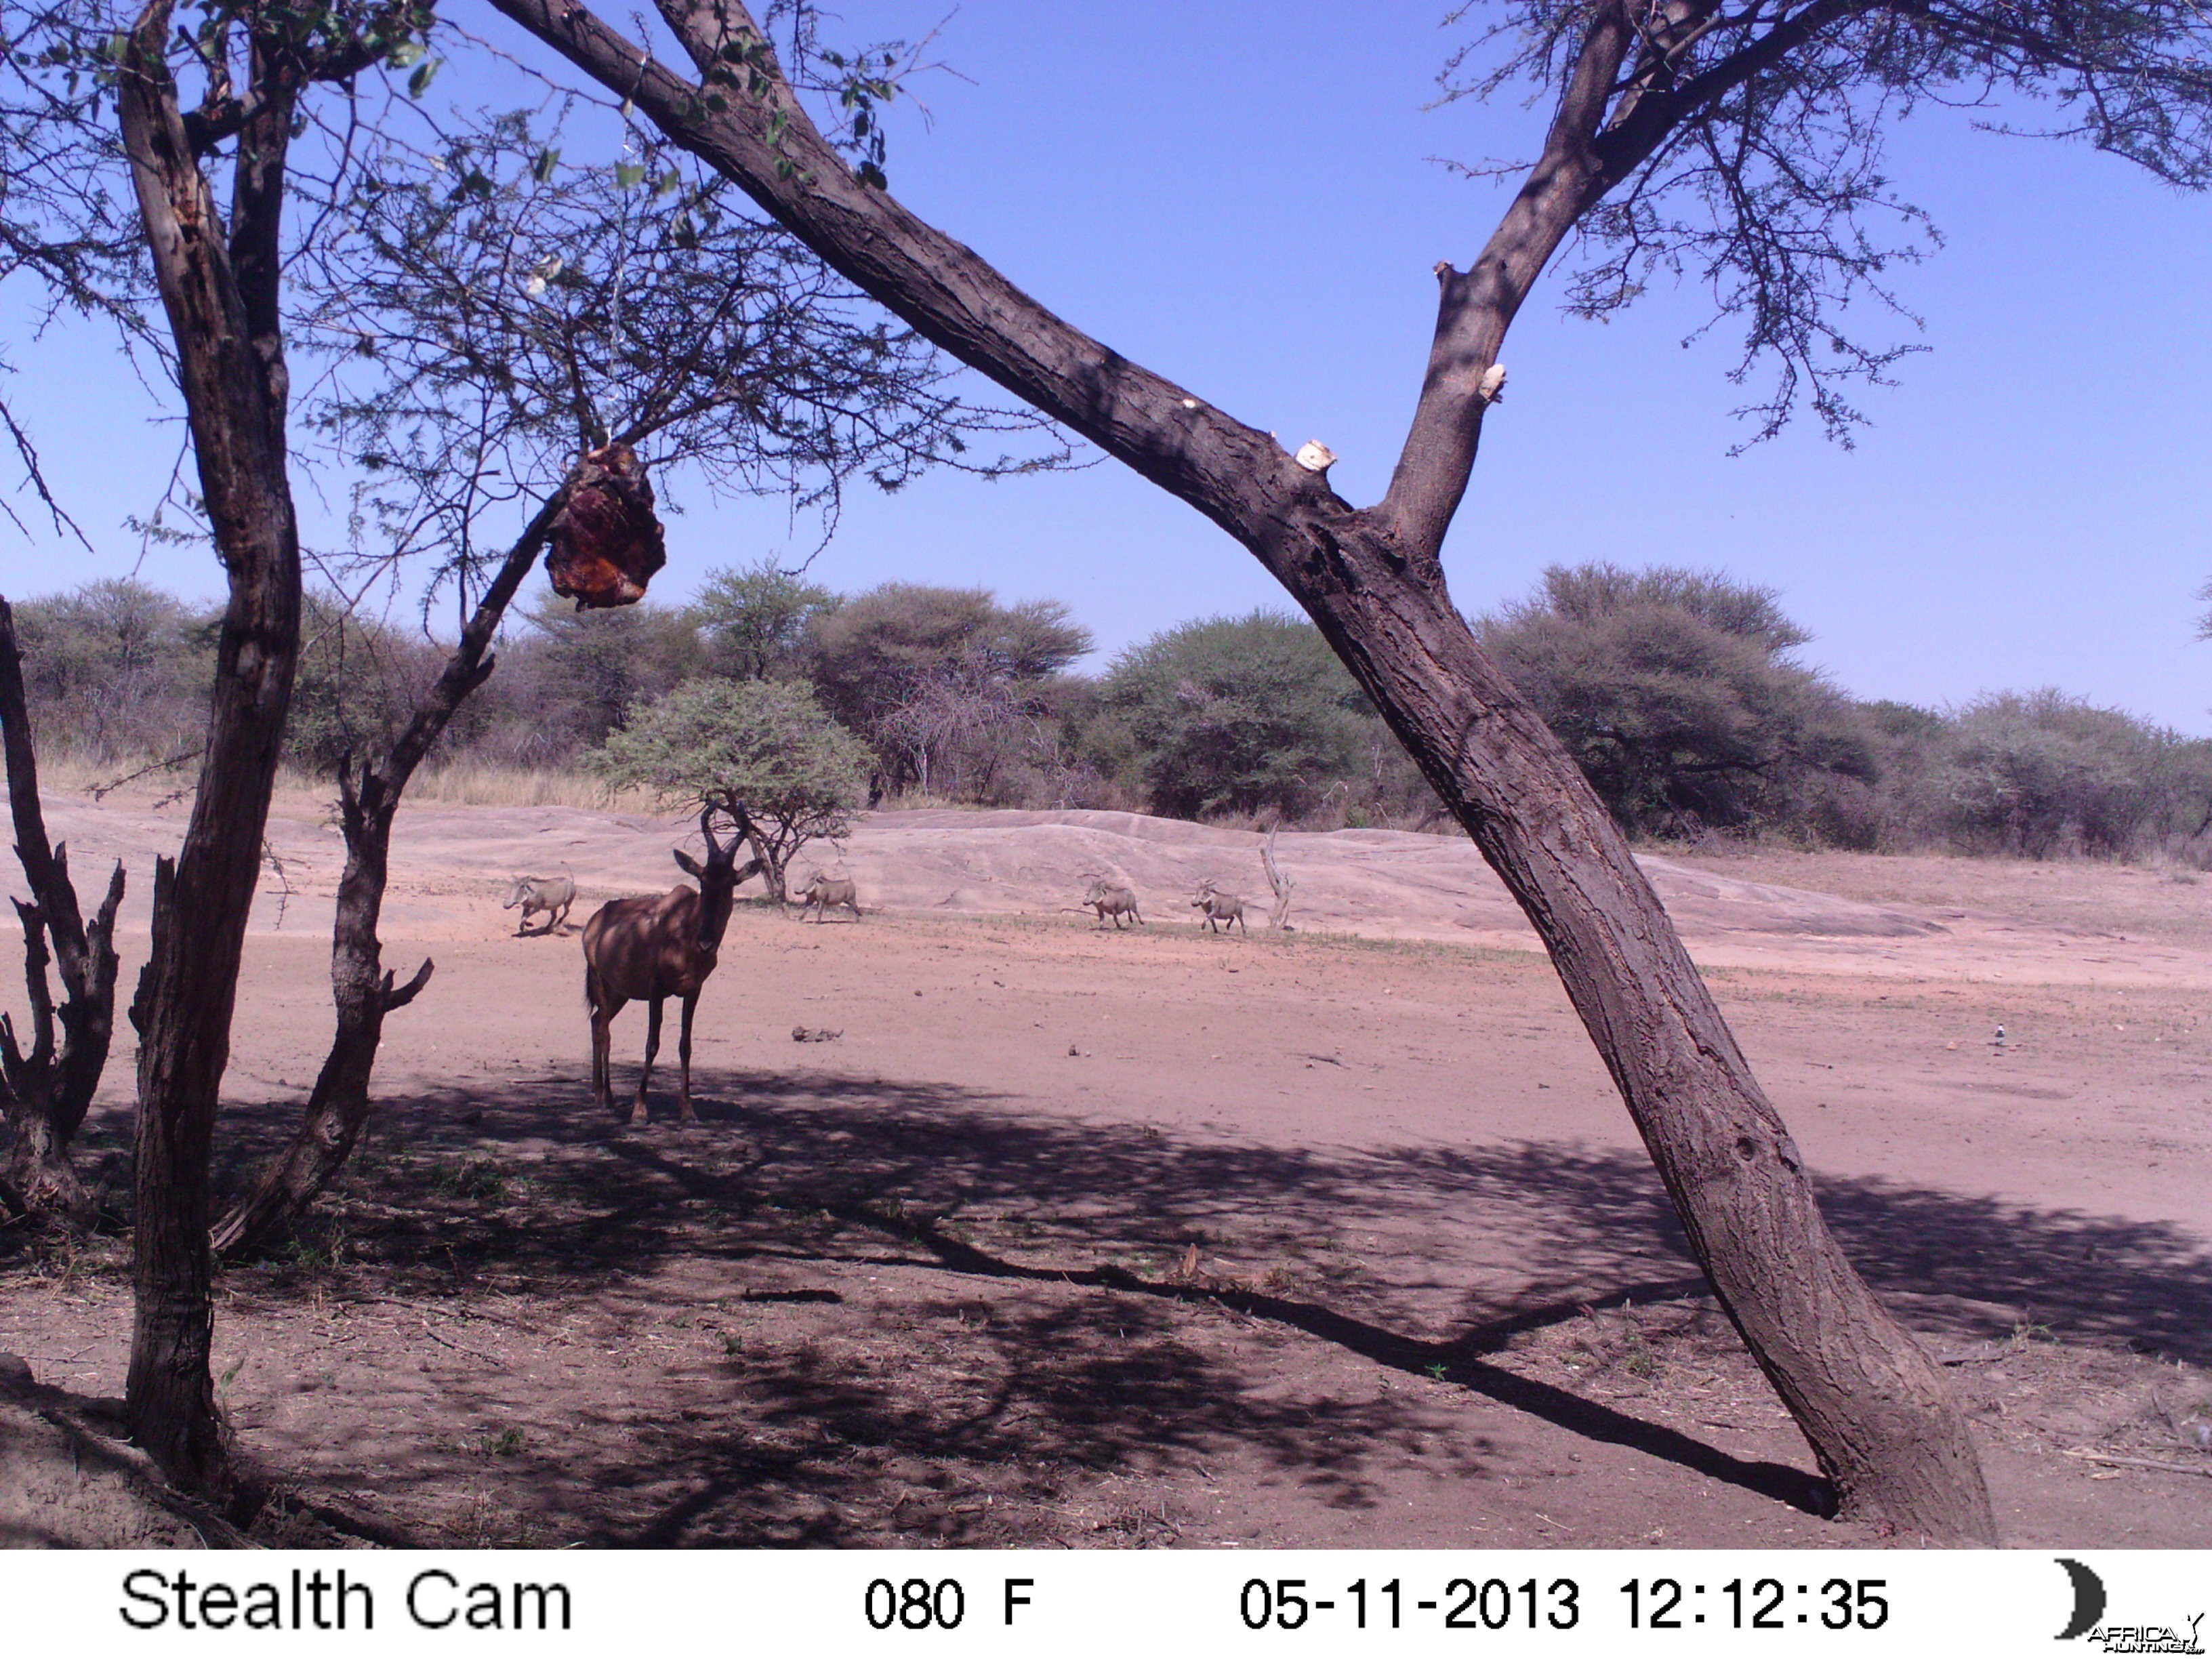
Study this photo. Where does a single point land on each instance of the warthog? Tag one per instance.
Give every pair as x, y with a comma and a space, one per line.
824, 893
1221, 909
551, 894
1111, 899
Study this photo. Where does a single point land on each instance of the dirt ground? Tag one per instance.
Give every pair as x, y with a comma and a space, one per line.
1070, 1236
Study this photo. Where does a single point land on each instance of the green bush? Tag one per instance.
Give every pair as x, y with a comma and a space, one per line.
754, 621
356, 686
943, 682
1240, 716
116, 671
2042, 773
766, 744
1677, 693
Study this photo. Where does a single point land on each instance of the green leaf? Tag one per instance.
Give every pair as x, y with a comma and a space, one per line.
541, 168
628, 175
405, 55
419, 83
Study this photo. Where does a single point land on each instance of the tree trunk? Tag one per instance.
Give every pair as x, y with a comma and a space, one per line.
771, 871
1874, 1409
1871, 1404
360, 987
46, 1093
221, 304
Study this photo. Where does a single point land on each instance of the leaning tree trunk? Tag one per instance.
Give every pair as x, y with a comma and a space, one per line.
772, 870
1872, 1406
221, 301
361, 987
1870, 1403
46, 1092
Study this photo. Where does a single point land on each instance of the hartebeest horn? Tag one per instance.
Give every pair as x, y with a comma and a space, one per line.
706, 828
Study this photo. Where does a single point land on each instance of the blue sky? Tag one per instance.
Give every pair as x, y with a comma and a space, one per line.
1246, 205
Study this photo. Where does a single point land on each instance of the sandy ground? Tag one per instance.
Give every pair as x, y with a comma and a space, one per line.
1097, 1238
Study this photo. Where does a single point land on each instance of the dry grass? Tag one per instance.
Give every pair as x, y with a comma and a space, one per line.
463, 783
472, 783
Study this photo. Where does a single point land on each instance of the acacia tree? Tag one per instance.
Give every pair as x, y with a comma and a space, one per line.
754, 619
239, 82
218, 266
763, 752
1236, 713
1677, 694
1741, 141
482, 320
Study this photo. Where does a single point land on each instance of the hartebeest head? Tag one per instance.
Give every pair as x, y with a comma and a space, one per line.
717, 879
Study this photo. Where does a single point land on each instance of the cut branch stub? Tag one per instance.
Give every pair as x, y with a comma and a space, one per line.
607, 541
407, 993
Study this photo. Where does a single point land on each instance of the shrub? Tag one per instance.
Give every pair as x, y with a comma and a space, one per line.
1245, 715
2041, 772
944, 681
565, 679
766, 744
356, 686
1678, 694
116, 670
754, 622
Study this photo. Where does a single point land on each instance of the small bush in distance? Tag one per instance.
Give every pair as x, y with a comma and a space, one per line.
766, 744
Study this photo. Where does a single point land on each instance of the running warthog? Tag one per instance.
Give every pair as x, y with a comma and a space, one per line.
551, 894
1111, 898
825, 893
1221, 909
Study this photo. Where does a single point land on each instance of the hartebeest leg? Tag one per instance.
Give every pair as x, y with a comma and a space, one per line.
603, 1065
651, 1048
684, 1112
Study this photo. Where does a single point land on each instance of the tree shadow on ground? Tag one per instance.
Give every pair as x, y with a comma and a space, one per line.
1062, 1239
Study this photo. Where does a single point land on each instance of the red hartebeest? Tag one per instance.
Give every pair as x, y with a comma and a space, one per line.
650, 949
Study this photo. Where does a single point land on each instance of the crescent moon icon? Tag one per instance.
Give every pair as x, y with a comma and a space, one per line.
2088, 1599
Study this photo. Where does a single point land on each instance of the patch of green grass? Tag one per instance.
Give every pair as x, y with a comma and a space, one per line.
308, 1255
476, 1179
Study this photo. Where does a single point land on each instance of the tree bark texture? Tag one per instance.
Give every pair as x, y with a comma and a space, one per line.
46, 1092
220, 294
360, 987
1873, 1407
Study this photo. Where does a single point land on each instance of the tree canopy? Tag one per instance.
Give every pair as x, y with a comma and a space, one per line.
1237, 715
1677, 694
766, 745
754, 619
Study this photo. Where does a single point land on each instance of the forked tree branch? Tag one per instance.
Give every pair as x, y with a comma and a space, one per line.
1237, 475
1477, 306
